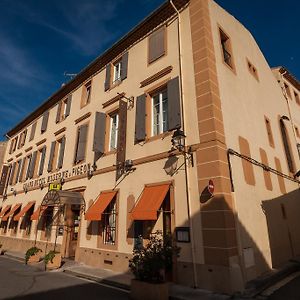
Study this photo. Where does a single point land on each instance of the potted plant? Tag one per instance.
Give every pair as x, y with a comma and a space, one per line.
149, 265
33, 255
52, 260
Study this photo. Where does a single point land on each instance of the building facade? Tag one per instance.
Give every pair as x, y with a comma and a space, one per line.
180, 127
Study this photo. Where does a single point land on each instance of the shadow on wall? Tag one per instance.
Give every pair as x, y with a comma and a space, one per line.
283, 220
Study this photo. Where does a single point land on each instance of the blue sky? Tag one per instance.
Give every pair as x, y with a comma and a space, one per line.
40, 40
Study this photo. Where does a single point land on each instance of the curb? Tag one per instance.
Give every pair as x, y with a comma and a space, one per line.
99, 279
20, 259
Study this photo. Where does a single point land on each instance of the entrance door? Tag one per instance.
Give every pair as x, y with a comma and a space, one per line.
72, 229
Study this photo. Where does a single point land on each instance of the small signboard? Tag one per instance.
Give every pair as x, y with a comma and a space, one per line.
61, 230
54, 187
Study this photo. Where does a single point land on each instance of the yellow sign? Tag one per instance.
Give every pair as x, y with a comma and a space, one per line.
54, 187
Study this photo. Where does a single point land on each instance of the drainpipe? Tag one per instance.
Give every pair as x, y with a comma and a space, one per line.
185, 164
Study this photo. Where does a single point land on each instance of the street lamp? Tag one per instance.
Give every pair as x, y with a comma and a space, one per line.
178, 143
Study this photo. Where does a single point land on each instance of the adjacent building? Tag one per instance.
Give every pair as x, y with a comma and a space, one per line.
182, 127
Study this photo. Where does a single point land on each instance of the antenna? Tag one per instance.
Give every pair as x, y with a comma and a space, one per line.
71, 75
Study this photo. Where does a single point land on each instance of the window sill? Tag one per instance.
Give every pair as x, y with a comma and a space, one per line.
160, 136
111, 152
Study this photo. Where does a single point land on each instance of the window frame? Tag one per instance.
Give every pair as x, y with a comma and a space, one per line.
111, 119
226, 48
114, 65
161, 112
110, 211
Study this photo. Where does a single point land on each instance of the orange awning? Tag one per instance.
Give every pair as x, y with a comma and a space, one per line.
4, 210
150, 202
10, 213
95, 211
23, 211
38, 212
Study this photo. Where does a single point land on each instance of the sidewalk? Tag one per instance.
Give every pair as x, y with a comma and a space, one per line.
177, 292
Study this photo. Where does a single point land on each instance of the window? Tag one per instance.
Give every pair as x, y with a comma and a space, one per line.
288, 91
16, 177
22, 139
159, 112
117, 67
269, 132
252, 69
47, 222
45, 121
13, 145
226, 49
156, 45
297, 98
56, 155
113, 133
32, 132
29, 157
81, 142
63, 109
109, 224
86, 94
286, 145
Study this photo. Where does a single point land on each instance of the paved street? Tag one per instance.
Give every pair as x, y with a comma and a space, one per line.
18, 281
290, 291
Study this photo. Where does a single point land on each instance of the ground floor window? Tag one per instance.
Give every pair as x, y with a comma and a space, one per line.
47, 222
109, 224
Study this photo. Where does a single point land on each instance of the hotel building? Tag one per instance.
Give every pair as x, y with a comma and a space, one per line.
181, 126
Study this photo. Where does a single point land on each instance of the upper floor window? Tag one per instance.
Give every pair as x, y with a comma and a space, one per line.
22, 139
86, 94
56, 157
113, 132
32, 132
117, 66
288, 91
13, 145
226, 49
45, 121
157, 44
116, 72
63, 109
159, 112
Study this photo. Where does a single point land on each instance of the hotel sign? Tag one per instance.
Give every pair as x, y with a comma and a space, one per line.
56, 177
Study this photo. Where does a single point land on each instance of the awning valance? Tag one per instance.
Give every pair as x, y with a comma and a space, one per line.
24, 211
5, 210
95, 211
150, 202
11, 213
39, 212
55, 198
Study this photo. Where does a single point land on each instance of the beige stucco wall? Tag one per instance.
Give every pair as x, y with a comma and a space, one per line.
245, 102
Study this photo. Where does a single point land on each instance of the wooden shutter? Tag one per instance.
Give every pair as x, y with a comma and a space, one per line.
24, 137
22, 169
4, 174
140, 118
32, 164
82, 138
28, 166
124, 66
121, 148
174, 116
45, 121
61, 152
12, 172
50, 163
99, 133
58, 114
68, 108
42, 162
107, 78
11, 146
156, 44
32, 133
